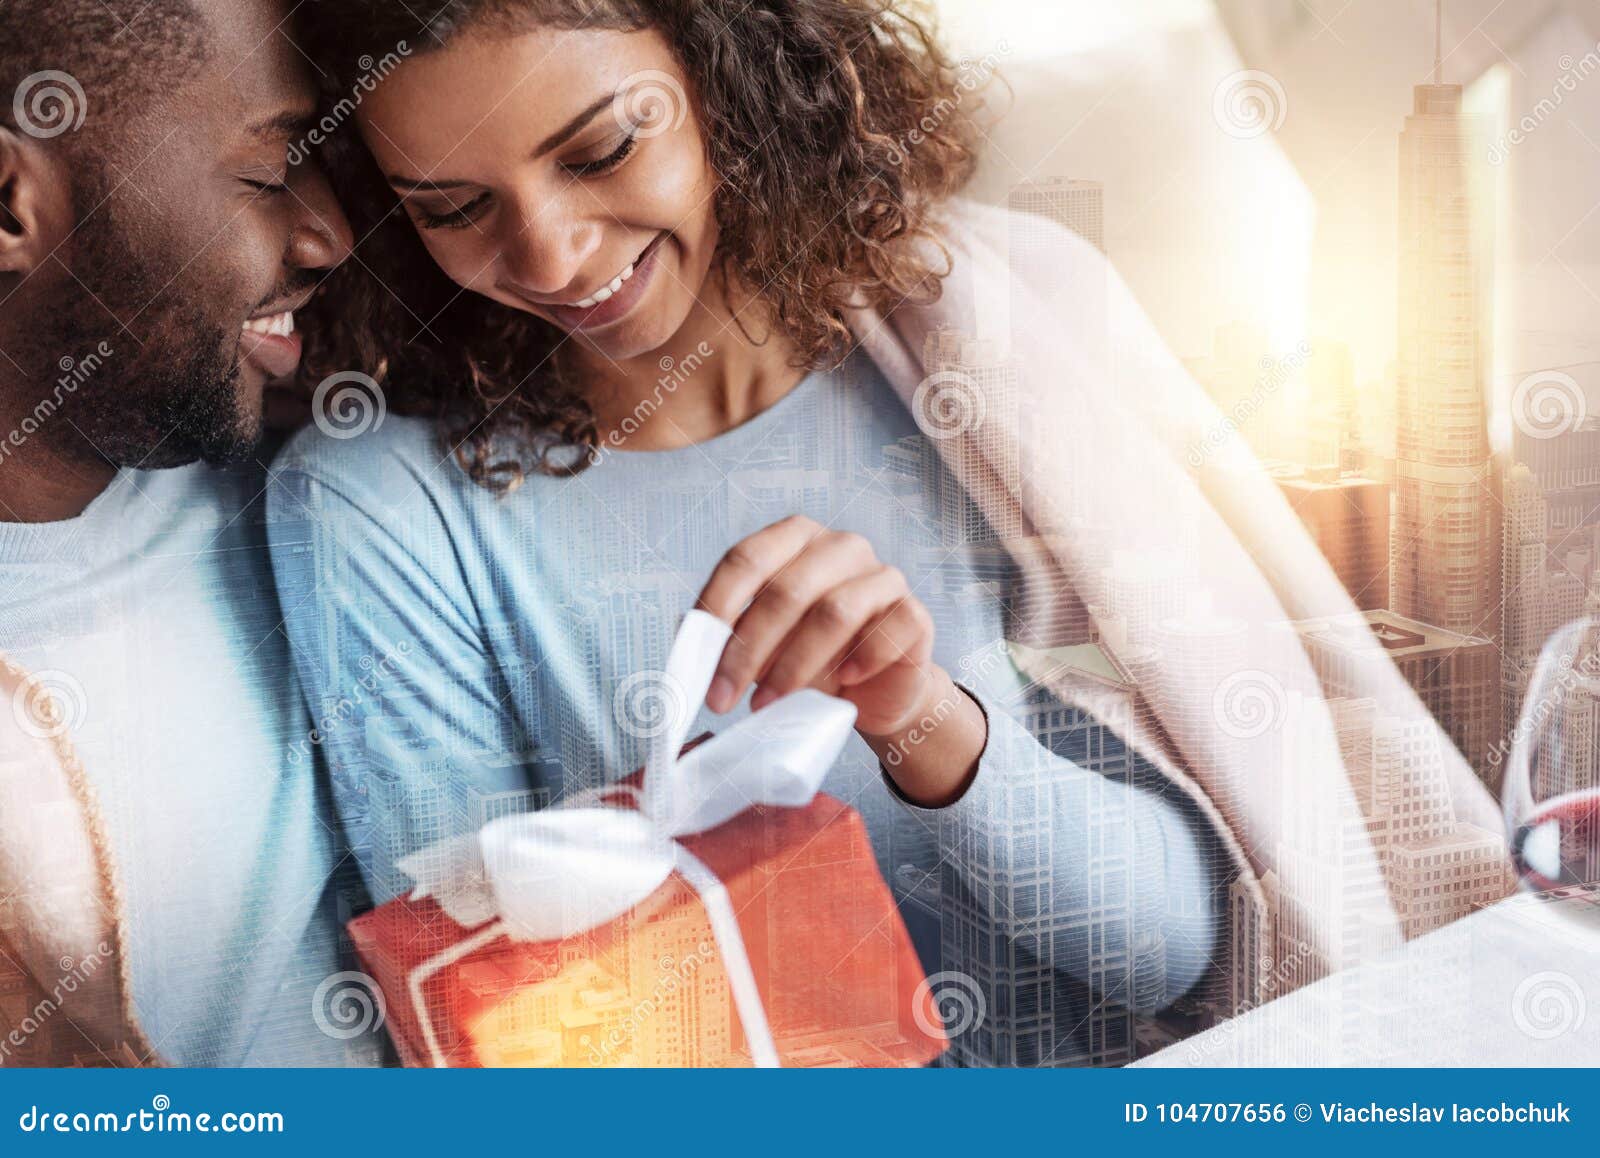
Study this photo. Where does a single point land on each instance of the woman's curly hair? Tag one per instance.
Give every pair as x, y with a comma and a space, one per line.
840, 123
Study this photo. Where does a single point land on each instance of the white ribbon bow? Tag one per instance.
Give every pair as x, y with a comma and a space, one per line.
547, 875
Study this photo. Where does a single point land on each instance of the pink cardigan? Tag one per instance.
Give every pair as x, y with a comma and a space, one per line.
1113, 421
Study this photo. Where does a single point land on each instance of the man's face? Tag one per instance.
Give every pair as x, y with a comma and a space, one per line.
191, 246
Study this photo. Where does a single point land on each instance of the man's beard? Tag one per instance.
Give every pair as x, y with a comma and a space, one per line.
168, 399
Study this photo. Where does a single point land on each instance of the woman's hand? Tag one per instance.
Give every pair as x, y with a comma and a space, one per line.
811, 607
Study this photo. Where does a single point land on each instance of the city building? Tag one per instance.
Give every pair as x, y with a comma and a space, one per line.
1348, 517
1445, 568
1457, 676
1079, 205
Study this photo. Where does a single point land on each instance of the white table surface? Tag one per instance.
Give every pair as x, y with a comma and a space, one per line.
1515, 984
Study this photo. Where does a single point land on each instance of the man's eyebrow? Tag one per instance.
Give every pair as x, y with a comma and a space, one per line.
554, 141
288, 123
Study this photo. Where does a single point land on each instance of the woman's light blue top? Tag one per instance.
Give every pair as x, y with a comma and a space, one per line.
467, 655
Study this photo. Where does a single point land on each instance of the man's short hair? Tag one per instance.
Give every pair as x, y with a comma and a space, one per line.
117, 53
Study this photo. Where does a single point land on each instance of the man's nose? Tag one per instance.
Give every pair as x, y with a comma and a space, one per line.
320, 237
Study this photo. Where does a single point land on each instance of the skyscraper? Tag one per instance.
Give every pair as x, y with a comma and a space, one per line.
1079, 205
1446, 535
1348, 516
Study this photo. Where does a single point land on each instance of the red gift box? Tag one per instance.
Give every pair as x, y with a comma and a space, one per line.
838, 977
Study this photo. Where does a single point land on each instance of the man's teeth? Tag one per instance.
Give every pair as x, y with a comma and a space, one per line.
604, 292
278, 325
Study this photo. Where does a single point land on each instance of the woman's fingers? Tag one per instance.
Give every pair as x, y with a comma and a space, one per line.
807, 656
751, 562
780, 604
903, 634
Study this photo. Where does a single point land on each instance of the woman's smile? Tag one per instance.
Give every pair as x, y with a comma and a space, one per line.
611, 302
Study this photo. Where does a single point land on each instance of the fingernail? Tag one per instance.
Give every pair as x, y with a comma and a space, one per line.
848, 671
762, 698
720, 698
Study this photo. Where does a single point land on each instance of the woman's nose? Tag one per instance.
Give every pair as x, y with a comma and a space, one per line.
547, 253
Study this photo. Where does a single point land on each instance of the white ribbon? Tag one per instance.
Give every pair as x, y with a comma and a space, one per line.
547, 875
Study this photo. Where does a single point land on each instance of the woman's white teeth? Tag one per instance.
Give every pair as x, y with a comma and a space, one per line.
278, 325
604, 292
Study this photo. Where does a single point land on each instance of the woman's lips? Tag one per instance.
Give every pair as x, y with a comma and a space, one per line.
575, 318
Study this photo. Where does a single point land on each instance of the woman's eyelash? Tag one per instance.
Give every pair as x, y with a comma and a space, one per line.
268, 187
454, 218
607, 163
464, 216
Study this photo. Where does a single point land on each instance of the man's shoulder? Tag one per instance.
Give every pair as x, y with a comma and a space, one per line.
196, 495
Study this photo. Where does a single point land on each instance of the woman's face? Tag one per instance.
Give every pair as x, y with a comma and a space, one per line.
557, 172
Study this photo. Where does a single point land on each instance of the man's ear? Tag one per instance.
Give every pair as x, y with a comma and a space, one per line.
35, 203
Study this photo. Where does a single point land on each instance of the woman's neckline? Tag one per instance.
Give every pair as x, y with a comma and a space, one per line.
753, 428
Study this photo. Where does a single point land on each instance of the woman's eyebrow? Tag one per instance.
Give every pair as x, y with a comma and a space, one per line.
573, 127
554, 141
